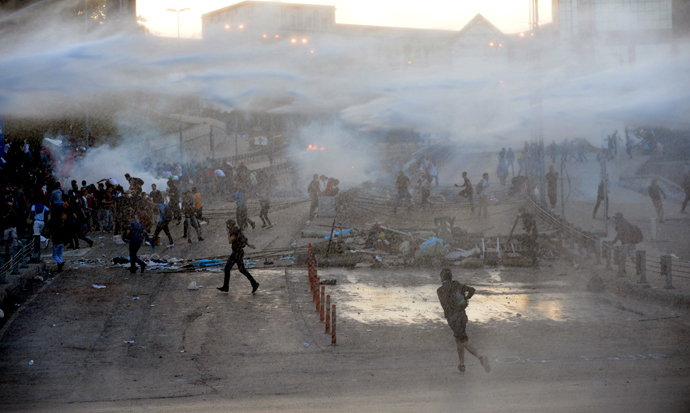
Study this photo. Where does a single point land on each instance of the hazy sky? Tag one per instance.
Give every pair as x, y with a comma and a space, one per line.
509, 16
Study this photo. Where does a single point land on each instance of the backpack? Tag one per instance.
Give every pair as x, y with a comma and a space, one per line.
167, 214
635, 234
480, 187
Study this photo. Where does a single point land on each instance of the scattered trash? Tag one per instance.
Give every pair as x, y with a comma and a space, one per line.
369, 330
118, 240
120, 260
192, 286
52, 325
129, 341
306, 344
38, 278
183, 351
135, 298
267, 262
31, 362
98, 286
299, 301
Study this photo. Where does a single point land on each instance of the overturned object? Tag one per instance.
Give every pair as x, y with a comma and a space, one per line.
432, 248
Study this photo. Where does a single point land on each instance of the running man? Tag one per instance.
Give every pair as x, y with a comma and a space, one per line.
238, 241
402, 182
454, 298
483, 192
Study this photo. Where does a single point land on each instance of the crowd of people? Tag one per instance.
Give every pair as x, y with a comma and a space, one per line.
39, 203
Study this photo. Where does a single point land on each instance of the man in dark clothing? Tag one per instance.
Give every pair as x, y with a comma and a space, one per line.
56, 202
552, 186
238, 241
628, 234
136, 234
686, 187
655, 193
135, 184
174, 200
532, 234
165, 218
58, 234
453, 297
190, 217
402, 182
601, 196
313, 190
467, 190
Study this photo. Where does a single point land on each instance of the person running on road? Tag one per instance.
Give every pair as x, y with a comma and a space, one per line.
454, 298
136, 235
238, 241
402, 182
601, 196
190, 217
165, 218
655, 193
467, 191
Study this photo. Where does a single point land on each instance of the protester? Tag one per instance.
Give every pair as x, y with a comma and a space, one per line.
602, 194
190, 217
628, 234
238, 241
314, 189
241, 210
482, 191
468, 190
552, 186
402, 183
136, 235
454, 298
655, 193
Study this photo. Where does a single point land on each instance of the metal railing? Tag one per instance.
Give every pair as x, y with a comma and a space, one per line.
19, 258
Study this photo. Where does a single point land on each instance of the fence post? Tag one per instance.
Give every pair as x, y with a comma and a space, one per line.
667, 270
14, 261
36, 256
598, 251
620, 261
323, 298
606, 250
641, 265
328, 314
25, 253
333, 340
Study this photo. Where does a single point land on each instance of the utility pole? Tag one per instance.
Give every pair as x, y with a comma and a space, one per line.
562, 189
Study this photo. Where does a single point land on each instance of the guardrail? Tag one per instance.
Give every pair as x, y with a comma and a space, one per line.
19, 258
592, 242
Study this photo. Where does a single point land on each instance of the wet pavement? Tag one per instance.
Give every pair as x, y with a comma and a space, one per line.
148, 342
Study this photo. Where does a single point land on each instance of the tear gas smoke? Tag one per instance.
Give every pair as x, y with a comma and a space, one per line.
483, 100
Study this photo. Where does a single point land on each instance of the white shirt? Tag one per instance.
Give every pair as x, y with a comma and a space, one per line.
41, 216
432, 170
485, 185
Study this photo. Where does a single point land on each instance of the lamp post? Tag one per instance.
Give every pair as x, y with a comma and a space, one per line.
178, 11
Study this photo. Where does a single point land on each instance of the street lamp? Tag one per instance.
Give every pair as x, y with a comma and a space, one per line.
178, 11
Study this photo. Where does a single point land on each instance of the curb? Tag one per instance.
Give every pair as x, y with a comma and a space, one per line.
660, 296
18, 281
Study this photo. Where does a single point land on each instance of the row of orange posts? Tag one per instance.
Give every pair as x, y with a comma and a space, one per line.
324, 307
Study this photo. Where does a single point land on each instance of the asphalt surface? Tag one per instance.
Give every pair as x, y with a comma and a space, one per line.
552, 345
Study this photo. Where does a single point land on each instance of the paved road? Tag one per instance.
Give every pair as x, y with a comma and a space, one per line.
553, 346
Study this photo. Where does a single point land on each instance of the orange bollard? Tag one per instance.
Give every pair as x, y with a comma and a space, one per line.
333, 341
318, 299
321, 302
328, 314
316, 289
